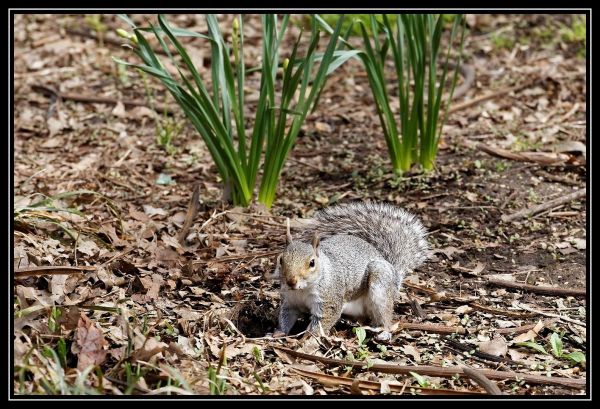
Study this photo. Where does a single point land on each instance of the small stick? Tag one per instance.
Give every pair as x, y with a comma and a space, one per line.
561, 179
53, 270
524, 328
105, 39
434, 328
468, 72
416, 307
191, 214
545, 206
160, 108
549, 314
490, 387
491, 95
472, 303
482, 355
327, 379
446, 372
540, 289
238, 257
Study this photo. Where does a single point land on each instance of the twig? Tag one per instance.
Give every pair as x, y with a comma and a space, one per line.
191, 214
468, 73
53, 270
497, 311
434, 328
160, 108
491, 95
540, 289
446, 372
542, 158
479, 354
416, 307
372, 385
238, 257
524, 328
545, 206
549, 314
471, 303
561, 179
490, 387
105, 39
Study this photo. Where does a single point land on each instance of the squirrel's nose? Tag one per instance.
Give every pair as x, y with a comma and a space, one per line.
291, 282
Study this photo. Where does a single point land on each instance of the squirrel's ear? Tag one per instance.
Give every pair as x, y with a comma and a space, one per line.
315, 241
288, 234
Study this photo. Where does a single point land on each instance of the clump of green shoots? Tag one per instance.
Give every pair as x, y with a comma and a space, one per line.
413, 43
289, 90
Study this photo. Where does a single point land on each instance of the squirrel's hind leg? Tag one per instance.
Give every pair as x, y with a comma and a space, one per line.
382, 292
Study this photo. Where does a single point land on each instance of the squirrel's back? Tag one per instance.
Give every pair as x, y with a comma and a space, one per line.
397, 234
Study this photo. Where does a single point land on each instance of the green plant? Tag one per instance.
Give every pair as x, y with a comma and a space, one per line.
350, 24
502, 41
96, 24
576, 33
556, 346
53, 323
421, 380
219, 116
414, 45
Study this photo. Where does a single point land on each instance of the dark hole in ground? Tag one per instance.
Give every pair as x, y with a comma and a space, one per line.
256, 319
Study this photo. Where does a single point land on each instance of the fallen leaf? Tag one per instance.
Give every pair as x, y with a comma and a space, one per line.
516, 355
505, 324
119, 110
412, 351
323, 127
449, 251
475, 271
154, 211
54, 126
580, 244
90, 344
69, 318
571, 147
150, 348
109, 230
496, 347
88, 247
57, 286
164, 179
471, 196
463, 309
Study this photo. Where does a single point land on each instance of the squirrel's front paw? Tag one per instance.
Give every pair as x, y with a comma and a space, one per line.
278, 334
384, 336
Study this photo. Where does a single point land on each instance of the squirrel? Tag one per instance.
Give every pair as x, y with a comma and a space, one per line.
350, 261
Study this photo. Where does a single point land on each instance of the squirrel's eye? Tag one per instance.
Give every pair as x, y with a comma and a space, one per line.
312, 263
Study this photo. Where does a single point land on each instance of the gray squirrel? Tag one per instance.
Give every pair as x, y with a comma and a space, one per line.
351, 260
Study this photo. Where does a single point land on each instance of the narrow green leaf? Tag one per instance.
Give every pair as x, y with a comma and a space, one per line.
556, 344
533, 345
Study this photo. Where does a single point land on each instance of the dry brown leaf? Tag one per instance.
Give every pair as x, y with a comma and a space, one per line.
88, 247
119, 110
154, 211
150, 348
90, 344
57, 286
496, 347
449, 251
412, 351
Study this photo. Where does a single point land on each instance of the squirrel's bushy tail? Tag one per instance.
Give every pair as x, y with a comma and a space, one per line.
397, 234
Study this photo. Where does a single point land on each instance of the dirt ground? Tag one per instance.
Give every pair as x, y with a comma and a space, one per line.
156, 316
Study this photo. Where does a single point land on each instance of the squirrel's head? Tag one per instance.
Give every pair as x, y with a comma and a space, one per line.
298, 265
